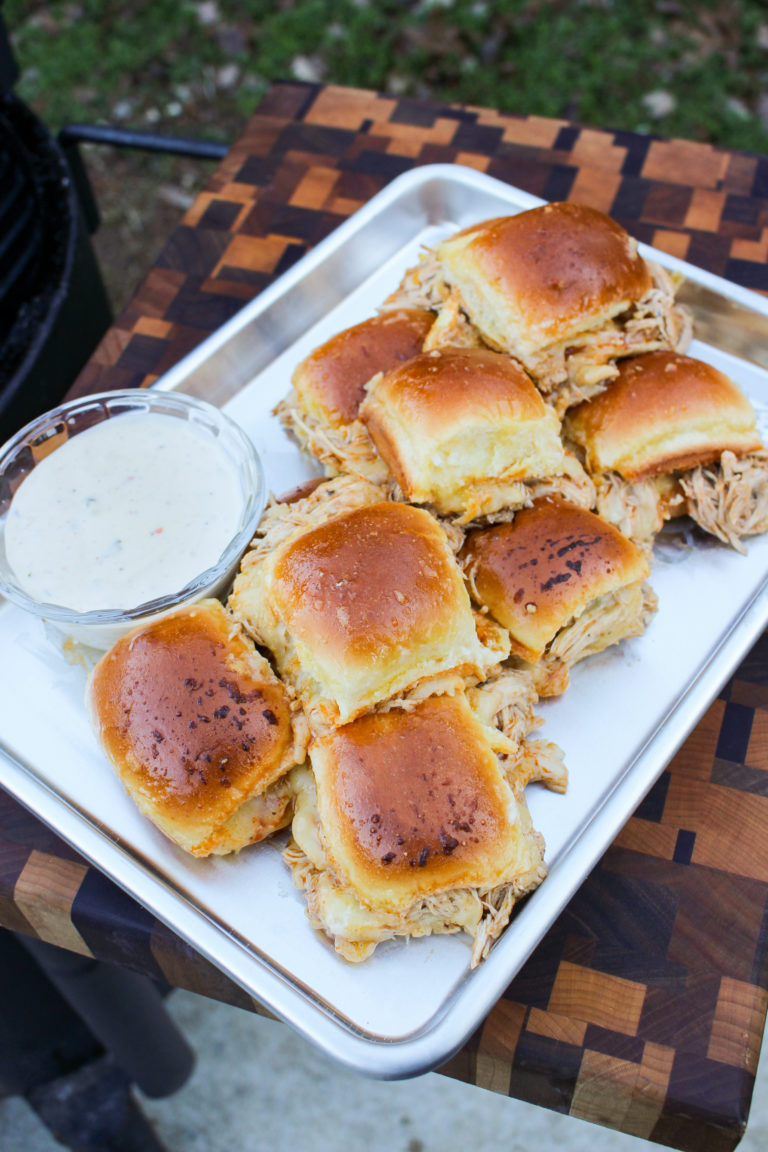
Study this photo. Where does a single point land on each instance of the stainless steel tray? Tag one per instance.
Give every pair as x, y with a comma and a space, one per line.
414, 1003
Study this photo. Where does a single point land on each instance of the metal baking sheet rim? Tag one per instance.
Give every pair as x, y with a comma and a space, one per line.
417, 197
435, 1044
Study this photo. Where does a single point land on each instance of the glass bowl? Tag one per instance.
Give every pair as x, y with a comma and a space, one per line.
100, 627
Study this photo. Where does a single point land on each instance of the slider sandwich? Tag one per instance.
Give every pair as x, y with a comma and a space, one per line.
563, 582
199, 729
360, 599
464, 431
673, 436
413, 822
562, 288
328, 386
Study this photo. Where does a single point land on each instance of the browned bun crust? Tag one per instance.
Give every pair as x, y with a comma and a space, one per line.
544, 274
664, 412
331, 381
300, 492
359, 599
413, 803
366, 583
440, 388
542, 569
455, 417
193, 719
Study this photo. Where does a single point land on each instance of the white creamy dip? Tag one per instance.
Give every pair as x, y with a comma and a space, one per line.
127, 511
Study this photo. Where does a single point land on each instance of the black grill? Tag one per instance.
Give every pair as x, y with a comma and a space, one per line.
36, 227
21, 231
53, 308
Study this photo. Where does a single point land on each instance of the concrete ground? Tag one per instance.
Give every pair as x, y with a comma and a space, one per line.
258, 1086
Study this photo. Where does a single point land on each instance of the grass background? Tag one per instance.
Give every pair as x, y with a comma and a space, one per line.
692, 68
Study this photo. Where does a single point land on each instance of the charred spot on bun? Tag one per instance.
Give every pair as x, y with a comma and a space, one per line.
360, 599
198, 728
563, 582
408, 825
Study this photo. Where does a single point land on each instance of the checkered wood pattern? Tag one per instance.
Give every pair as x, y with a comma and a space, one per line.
643, 1008
313, 155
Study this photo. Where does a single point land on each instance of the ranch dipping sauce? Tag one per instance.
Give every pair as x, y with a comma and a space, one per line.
126, 511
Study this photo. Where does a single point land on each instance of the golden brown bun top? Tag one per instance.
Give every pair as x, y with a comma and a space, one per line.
368, 581
413, 802
664, 411
437, 391
330, 381
535, 573
190, 714
560, 264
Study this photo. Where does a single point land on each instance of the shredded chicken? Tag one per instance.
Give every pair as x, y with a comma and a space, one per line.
254, 820
675, 320
615, 616
454, 534
422, 286
506, 702
498, 904
489, 502
330, 498
574, 485
452, 329
341, 448
537, 762
729, 499
570, 370
503, 699
580, 367
449, 684
493, 637
495, 501
638, 509
356, 930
